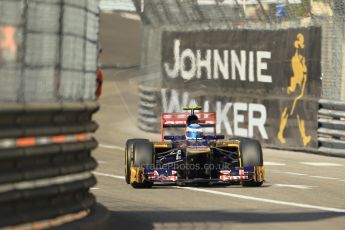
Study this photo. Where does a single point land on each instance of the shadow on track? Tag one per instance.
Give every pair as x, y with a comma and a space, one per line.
148, 219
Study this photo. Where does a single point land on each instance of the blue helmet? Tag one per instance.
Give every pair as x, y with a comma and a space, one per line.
194, 131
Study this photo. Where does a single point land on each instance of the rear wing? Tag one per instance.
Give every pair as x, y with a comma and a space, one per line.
178, 120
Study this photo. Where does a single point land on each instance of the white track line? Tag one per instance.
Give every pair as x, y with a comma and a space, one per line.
269, 163
295, 174
289, 173
303, 174
109, 175
321, 164
244, 197
325, 177
111, 147
294, 186
266, 200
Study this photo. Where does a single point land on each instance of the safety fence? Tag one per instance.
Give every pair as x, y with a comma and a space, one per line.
48, 62
201, 52
116, 5
48, 50
149, 109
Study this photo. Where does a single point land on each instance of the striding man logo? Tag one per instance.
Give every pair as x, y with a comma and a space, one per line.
298, 80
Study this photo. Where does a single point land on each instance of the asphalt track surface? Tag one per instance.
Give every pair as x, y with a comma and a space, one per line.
302, 190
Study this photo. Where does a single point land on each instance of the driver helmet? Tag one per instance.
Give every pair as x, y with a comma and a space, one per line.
194, 131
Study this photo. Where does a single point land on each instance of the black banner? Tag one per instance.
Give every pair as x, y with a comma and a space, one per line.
262, 84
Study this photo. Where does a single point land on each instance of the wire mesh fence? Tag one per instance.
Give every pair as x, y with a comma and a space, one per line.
116, 5
194, 15
48, 50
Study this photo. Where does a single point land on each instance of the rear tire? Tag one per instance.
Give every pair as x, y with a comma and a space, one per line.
251, 155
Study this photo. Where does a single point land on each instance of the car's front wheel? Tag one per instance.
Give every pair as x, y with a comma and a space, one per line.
251, 155
139, 154
128, 159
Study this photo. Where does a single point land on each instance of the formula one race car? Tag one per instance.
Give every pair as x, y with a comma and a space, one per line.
194, 157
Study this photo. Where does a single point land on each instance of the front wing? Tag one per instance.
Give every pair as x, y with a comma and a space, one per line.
159, 175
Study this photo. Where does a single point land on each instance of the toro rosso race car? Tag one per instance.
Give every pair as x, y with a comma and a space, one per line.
193, 157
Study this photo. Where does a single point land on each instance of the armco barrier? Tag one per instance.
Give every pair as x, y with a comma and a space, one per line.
45, 160
149, 109
332, 127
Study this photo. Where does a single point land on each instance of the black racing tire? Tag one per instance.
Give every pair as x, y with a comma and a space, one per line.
143, 153
140, 152
251, 151
129, 144
251, 155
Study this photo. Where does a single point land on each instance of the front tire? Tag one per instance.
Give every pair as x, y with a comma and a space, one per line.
251, 155
139, 153
129, 144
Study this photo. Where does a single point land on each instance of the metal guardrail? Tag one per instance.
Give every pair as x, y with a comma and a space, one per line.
331, 129
148, 112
